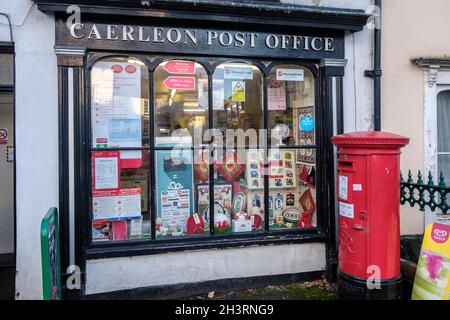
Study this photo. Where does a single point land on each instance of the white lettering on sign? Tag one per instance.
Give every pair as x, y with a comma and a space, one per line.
235, 39
343, 187
346, 210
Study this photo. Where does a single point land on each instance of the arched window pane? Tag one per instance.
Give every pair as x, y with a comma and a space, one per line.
181, 99
291, 105
238, 103
120, 97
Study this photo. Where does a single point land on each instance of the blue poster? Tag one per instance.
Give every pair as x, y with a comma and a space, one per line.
174, 184
307, 123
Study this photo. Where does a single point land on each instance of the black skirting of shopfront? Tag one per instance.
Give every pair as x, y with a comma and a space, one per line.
264, 34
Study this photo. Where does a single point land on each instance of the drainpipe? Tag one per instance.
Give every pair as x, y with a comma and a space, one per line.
376, 73
10, 25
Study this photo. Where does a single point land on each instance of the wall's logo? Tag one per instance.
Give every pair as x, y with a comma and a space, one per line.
440, 233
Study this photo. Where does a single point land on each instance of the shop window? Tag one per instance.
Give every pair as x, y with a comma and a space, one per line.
443, 126
160, 172
120, 161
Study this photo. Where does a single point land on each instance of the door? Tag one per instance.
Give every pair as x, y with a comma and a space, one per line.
7, 227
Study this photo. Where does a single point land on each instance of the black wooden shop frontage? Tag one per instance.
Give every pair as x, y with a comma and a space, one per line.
135, 77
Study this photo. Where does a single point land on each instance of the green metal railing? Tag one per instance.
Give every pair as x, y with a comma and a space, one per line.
425, 194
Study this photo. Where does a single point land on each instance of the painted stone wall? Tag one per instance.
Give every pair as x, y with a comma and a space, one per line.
36, 134
410, 30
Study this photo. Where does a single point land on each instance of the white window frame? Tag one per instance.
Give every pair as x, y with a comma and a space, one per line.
436, 80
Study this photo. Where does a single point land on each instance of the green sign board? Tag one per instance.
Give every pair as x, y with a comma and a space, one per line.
51, 269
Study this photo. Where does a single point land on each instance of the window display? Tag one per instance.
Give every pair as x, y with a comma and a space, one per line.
174, 185
179, 158
120, 208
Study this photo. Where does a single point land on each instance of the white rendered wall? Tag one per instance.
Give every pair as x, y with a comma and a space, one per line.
36, 134
197, 266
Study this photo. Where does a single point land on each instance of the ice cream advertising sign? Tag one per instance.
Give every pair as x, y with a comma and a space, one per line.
433, 269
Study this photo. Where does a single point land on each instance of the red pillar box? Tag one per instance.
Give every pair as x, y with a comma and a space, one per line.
368, 192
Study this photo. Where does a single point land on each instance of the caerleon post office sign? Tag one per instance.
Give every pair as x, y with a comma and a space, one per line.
201, 41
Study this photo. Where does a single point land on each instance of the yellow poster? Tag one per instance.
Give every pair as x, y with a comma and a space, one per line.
238, 91
432, 280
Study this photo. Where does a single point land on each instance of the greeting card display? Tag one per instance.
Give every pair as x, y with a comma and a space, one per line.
201, 165
281, 169
230, 166
223, 195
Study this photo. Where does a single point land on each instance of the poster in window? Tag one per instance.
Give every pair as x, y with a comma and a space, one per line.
116, 109
105, 170
276, 93
174, 180
117, 204
306, 132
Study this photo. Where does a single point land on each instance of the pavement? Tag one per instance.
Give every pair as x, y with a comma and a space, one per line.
313, 290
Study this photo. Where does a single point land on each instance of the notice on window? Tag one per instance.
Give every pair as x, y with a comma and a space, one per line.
238, 73
116, 108
290, 74
175, 209
343, 187
346, 210
180, 67
180, 83
277, 96
106, 170
238, 94
117, 204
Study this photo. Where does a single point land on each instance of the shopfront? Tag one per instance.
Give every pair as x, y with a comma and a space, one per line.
195, 141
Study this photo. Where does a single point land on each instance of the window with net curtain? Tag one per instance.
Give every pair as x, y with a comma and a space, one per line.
443, 126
